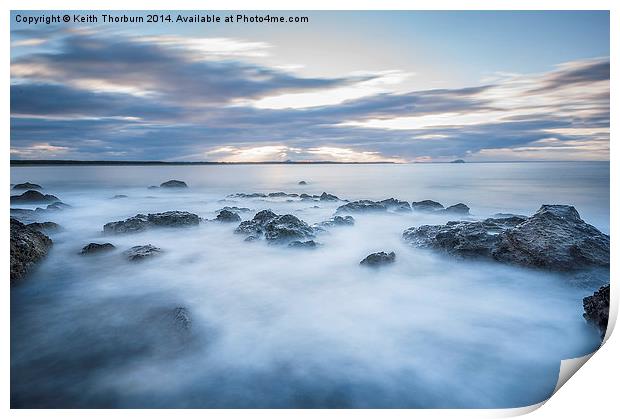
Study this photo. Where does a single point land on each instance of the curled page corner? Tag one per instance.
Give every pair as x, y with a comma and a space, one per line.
568, 367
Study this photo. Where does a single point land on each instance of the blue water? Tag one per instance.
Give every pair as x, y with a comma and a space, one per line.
273, 327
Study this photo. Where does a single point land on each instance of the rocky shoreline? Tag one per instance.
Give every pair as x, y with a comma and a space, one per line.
555, 238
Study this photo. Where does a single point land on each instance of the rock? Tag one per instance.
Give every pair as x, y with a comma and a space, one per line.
396, 205
302, 182
119, 196
328, 197
458, 209
27, 185
92, 248
181, 318
33, 197
139, 253
426, 206
305, 196
361, 206
378, 259
141, 222
153, 187
308, 244
46, 226
28, 246
554, 238
458, 161
282, 194
236, 209
57, 206
276, 228
508, 215
335, 221
596, 309
227, 216
248, 195
173, 184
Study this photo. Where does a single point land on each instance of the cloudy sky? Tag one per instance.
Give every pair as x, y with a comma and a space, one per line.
347, 86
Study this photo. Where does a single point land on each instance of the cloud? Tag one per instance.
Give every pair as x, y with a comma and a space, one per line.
103, 95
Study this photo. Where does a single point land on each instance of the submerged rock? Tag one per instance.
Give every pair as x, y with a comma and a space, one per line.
27, 185
328, 197
92, 248
396, 205
554, 238
57, 206
596, 309
141, 222
282, 194
363, 205
120, 196
335, 221
33, 197
426, 206
28, 246
227, 216
46, 226
302, 182
173, 184
236, 209
138, 253
276, 228
308, 244
460, 209
248, 195
379, 259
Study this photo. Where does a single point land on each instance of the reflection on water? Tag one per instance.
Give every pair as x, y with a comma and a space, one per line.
277, 327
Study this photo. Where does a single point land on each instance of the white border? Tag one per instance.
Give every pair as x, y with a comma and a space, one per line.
591, 394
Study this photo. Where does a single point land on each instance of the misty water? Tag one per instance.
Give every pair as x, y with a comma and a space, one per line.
279, 327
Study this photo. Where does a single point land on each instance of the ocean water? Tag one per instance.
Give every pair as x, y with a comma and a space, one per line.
279, 327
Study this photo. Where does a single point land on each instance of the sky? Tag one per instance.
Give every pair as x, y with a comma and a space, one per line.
346, 86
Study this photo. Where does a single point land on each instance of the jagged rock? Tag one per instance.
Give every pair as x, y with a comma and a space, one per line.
57, 206
173, 184
396, 205
458, 209
308, 244
302, 182
141, 222
138, 253
554, 238
227, 216
236, 209
46, 226
328, 197
28, 246
119, 196
282, 194
378, 259
33, 197
305, 196
92, 248
336, 220
361, 206
596, 309
427, 206
276, 228
27, 185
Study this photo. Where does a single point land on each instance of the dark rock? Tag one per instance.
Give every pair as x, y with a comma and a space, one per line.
596, 309
141, 222
46, 226
92, 248
276, 228
153, 187
337, 220
396, 205
173, 184
251, 239
33, 197
554, 238
458, 161
27, 185
236, 209
282, 194
182, 318
28, 246
508, 215
427, 206
57, 206
378, 259
361, 206
139, 253
328, 197
305, 196
119, 196
308, 244
227, 216
458, 209
302, 182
